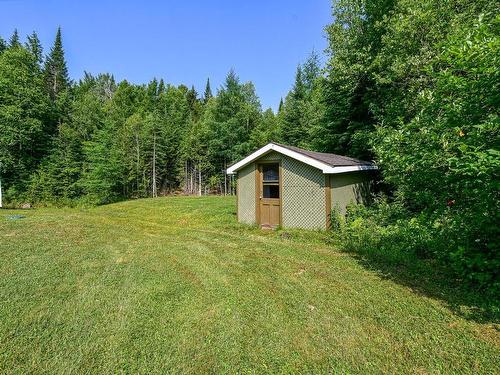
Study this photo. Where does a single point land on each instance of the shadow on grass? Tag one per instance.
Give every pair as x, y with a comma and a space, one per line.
428, 278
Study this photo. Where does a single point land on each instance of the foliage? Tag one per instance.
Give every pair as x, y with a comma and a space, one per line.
34, 45
24, 110
385, 231
55, 69
101, 141
208, 92
298, 113
14, 40
445, 161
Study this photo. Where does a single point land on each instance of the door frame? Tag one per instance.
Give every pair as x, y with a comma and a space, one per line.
258, 188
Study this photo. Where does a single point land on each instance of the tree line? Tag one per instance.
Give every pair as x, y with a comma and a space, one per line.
98, 140
410, 84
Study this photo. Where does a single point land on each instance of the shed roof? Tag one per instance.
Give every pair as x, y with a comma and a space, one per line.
328, 163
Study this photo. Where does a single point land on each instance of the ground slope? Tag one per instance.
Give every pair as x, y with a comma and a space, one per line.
174, 284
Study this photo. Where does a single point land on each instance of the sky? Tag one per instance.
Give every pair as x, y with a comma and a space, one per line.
180, 41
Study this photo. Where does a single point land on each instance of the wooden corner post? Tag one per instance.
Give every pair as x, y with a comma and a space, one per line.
328, 201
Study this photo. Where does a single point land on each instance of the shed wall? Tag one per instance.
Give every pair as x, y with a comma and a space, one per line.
246, 194
346, 188
303, 193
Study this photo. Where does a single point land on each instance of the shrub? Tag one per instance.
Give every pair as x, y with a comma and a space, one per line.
444, 164
392, 234
386, 231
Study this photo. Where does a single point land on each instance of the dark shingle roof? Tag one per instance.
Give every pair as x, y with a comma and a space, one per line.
332, 160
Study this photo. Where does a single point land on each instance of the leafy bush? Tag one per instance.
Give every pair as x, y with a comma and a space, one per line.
445, 164
392, 234
385, 230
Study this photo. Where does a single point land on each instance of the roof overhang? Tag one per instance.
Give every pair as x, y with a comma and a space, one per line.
325, 168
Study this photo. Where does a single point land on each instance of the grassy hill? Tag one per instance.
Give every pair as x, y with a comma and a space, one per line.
175, 284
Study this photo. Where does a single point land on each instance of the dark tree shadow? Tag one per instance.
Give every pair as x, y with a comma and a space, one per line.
428, 278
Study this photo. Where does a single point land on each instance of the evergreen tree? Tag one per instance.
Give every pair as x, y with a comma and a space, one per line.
55, 70
299, 87
311, 71
110, 153
33, 44
151, 95
24, 137
175, 115
103, 176
208, 92
161, 87
192, 98
3, 45
280, 107
292, 127
231, 120
91, 96
58, 178
300, 113
14, 40
266, 130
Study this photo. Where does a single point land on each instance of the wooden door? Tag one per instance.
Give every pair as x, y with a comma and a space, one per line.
269, 195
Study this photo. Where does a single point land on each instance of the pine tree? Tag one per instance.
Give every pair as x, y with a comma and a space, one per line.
292, 126
232, 82
311, 71
152, 95
55, 70
266, 130
23, 111
14, 40
192, 98
299, 87
58, 177
3, 45
230, 119
208, 92
280, 107
33, 44
161, 87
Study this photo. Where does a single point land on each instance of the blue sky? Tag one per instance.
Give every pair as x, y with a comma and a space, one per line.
180, 41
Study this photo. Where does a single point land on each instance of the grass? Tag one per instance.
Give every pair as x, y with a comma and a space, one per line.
176, 285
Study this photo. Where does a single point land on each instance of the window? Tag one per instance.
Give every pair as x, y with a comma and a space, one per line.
271, 173
271, 191
271, 181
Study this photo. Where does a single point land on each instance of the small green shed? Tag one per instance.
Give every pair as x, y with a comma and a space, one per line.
295, 188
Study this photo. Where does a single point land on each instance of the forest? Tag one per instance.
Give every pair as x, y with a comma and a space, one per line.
412, 85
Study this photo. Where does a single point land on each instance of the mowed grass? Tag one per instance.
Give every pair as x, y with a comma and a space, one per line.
175, 285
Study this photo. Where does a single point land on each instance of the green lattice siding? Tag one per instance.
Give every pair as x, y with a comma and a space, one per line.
271, 156
303, 201
303, 192
303, 195
246, 194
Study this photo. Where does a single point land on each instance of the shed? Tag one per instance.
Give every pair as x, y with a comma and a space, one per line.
286, 186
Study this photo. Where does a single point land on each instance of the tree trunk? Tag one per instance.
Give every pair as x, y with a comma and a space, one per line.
191, 181
154, 166
225, 179
185, 177
199, 180
137, 162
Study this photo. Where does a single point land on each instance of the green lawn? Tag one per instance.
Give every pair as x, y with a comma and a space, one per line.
176, 285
